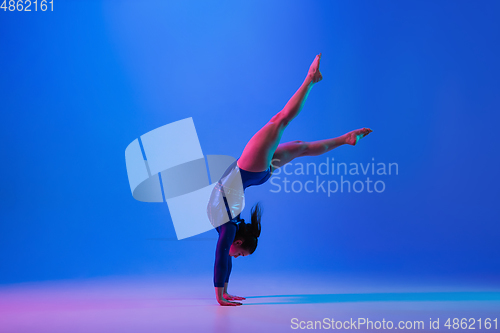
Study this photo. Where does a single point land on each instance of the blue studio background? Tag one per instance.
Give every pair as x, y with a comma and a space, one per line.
77, 85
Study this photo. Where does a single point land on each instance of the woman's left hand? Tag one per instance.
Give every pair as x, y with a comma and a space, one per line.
233, 298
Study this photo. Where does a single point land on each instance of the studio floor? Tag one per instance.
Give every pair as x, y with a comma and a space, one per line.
276, 303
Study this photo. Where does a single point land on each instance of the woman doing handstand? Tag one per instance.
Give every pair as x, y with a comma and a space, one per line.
261, 156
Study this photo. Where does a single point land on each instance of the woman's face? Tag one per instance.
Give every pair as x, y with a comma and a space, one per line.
235, 250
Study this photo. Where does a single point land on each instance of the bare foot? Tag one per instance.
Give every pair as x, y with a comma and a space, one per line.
314, 72
353, 137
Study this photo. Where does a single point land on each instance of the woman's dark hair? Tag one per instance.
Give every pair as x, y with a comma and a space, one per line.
249, 232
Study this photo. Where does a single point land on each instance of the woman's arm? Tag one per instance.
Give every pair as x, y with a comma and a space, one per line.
219, 294
222, 265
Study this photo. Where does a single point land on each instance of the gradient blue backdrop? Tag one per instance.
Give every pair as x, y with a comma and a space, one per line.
77, 85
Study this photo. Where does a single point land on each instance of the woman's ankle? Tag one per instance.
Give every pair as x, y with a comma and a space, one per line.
309, 80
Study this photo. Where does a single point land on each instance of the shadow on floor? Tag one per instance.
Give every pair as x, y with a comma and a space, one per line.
377, 297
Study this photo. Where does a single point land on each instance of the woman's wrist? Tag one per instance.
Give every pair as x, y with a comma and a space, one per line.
219, 293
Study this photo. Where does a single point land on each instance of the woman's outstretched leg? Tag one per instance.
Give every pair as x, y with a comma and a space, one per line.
287, 151
260, 149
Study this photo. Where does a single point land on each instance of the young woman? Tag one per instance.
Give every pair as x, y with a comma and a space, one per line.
261, 156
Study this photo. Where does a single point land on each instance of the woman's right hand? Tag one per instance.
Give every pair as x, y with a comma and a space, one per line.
225, 302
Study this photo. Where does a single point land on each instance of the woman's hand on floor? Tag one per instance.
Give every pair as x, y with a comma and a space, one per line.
220, 294
225, 302
233, 297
